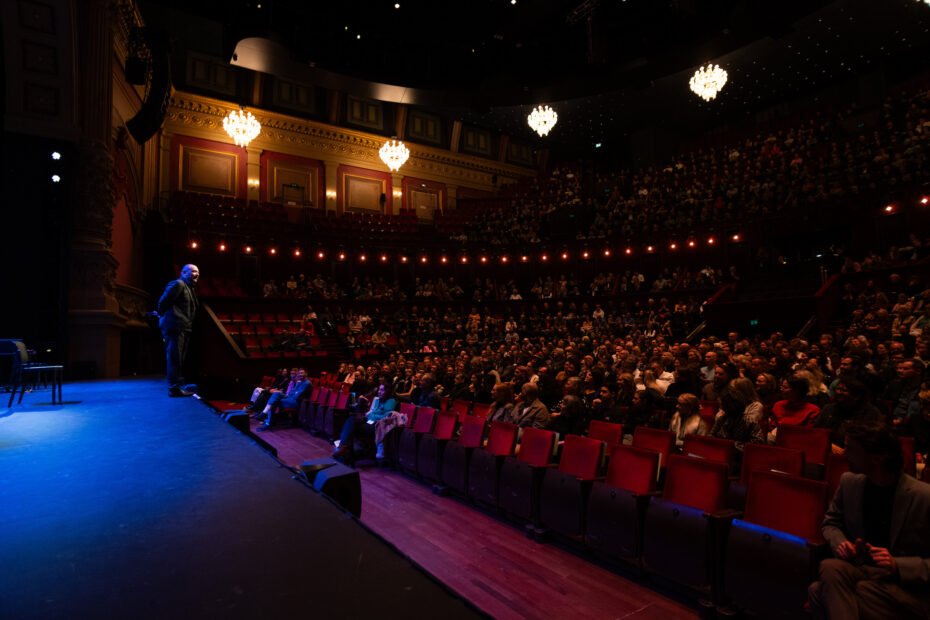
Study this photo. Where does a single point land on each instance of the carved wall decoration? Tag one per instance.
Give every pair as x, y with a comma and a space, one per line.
280, 169
95, 193
200, 115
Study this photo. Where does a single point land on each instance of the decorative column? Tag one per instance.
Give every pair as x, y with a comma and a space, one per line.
95, 324
254, 174
332, 183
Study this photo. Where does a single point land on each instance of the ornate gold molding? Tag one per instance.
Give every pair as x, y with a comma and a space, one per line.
323, 141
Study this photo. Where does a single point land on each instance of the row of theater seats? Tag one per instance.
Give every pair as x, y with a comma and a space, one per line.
259, 335
219, 287
747, 539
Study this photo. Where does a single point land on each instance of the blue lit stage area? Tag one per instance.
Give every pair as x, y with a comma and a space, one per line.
125, 503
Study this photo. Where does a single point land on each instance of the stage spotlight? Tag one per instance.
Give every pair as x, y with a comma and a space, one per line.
56, 155
56, 178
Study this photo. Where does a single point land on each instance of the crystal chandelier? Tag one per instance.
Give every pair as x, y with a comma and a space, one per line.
242, 127
708, 81
542, 119
394, 154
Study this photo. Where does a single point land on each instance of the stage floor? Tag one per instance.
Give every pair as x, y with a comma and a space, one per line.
125, 503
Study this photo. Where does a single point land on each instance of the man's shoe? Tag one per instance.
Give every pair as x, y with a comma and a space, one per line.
263, 428
178, 392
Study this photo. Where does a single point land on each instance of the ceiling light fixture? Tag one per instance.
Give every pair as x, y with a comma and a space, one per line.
708, 81
242, 127
394, 154
542, 119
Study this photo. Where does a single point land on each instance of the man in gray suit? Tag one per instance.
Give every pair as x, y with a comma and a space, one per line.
877, 526
176, 310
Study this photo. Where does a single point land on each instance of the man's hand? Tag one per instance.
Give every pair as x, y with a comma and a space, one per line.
846, 550
882, 558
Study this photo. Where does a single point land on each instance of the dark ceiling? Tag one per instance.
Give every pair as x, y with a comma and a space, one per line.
607, 66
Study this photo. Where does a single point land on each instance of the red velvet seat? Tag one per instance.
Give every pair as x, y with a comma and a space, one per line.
773, 550
683, 530
521, 476
711, 448
305, 415
910, 455
432, 446
617, 506
608, 432
485, 464
564, 493
659, 441
813, 442
460, 408
318, 411
837, 465
760, 457
457, 455
335, 415
410, 438
481, 410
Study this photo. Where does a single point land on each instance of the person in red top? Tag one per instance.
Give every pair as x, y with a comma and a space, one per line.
794, 408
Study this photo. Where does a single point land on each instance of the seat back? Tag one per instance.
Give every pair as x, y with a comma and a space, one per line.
331, 399
708, 411
267, 382
481, 410
502, 438
910, 455
710, 448
633, 469
446, 422
409, 410
537, 447
460, 407
423, 423
759, 457
472, 432
813, 442
657, 440
582, 457
790, 504
837, 465
322, 396
314, 395
608, 432
697, 483
342, 400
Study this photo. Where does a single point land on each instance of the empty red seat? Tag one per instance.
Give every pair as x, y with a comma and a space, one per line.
910, 455
521, 476
564, 493
484, 468
432, 446
335, 414
608, 432
837, 465
617, 506
305, 414
481, 410
813, 442
683, 528
318, 410
772, 551
660, 441
760, 457
710, 448
410, 438
457, 454
460, 408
